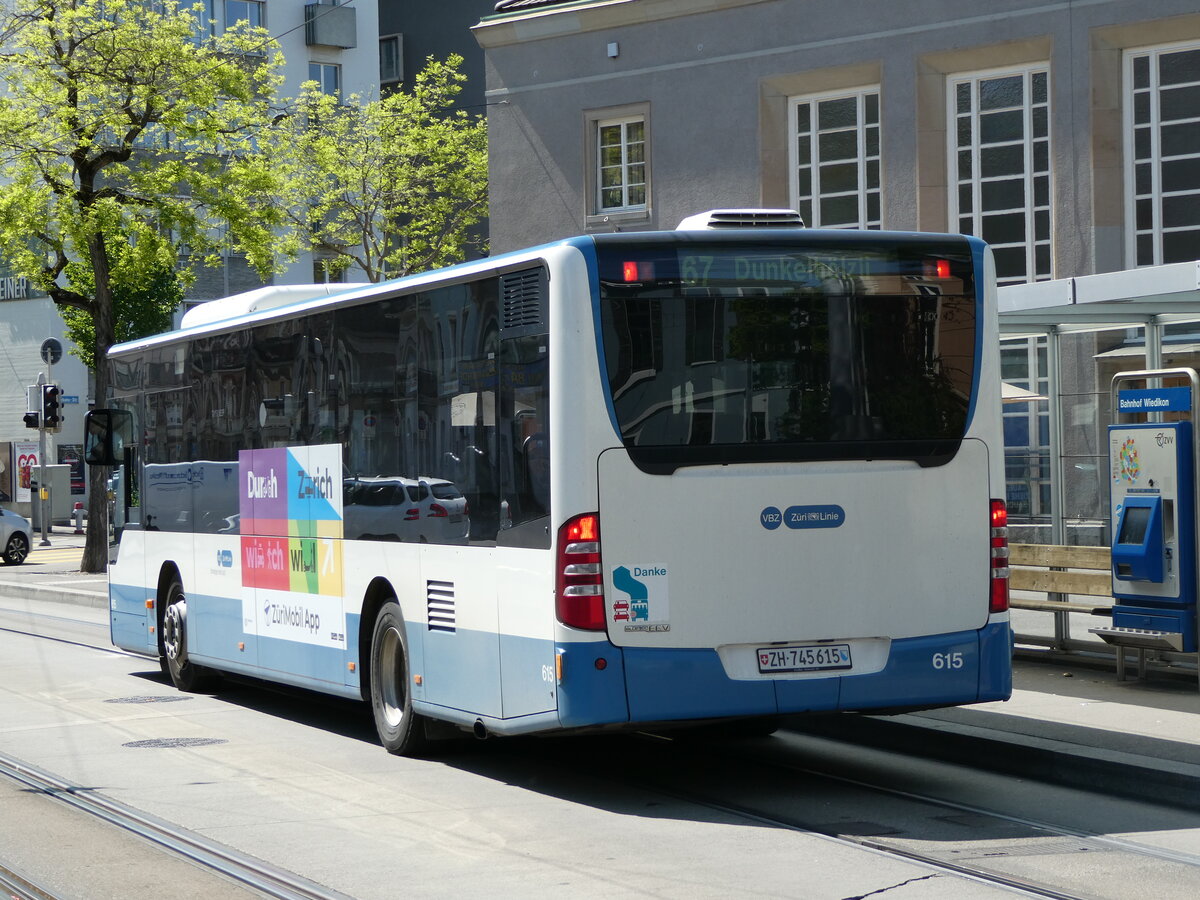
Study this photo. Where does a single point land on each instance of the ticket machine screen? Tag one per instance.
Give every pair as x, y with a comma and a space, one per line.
1134, 524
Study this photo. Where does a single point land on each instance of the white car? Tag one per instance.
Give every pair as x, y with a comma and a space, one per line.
390, 508
381, 508
15, 537
446, 518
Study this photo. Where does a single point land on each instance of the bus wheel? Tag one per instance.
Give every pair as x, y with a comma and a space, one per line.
401, 730
186, 675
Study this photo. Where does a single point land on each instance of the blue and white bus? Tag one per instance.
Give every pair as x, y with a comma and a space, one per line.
622, 480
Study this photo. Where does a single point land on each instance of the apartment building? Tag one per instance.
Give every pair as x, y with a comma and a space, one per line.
333, 42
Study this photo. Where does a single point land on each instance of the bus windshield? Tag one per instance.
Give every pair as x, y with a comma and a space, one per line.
788, 350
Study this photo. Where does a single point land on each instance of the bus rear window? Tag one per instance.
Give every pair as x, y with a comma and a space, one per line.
794, 350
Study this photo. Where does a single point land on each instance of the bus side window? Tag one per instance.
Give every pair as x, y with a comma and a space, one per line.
524, 410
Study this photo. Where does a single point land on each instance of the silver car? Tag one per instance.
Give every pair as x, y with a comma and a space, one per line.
15, 534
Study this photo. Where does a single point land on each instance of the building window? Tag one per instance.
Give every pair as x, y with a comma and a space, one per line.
1000, 167
250, 11
1162, 154
621, 170
834, 151
327, 76
1023, 364
391, 63
328, 270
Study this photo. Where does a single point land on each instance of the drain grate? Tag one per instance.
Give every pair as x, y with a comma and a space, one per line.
173, 743
168, 698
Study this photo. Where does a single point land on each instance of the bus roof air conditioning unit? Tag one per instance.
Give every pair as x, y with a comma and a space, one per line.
742, 218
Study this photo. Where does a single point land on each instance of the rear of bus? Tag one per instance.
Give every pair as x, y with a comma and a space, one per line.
783, 486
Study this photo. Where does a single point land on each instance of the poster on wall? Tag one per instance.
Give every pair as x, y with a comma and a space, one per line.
25, 460
72, 455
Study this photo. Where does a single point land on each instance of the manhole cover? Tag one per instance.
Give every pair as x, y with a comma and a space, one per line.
164, 699
172, 743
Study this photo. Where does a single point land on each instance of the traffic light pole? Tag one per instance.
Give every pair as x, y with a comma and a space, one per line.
43, 379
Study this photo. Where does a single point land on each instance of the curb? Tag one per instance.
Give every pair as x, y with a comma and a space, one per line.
1074, 762
53, 594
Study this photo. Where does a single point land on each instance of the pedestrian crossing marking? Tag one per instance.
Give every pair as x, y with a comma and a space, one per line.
54, 555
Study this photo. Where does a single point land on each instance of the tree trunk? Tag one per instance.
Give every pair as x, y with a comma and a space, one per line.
95, 548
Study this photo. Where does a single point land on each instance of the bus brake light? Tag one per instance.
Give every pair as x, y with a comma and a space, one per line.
999, 546
579, 580
943, 268
632, 271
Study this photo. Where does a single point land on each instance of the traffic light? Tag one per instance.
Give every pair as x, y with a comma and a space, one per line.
51, 407
33, 419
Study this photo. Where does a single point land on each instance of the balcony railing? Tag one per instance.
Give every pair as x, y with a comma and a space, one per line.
326, 25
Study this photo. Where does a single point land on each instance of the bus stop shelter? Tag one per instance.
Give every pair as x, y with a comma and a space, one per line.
1063, 341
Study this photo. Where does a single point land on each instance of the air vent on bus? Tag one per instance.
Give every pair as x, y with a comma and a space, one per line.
439, 605
742, 218
523, 302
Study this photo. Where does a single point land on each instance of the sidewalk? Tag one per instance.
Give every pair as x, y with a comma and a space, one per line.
1071, 723
52, 573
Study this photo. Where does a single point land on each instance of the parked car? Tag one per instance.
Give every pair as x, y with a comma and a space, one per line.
381, 508
446, 516
390, 508
15, 537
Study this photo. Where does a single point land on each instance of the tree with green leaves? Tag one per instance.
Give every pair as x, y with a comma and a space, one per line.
392, 185
146, 305
129, 133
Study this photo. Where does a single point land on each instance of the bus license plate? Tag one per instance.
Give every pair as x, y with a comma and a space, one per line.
810, 658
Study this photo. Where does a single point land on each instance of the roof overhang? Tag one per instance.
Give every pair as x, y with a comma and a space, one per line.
1130, 297
521, 22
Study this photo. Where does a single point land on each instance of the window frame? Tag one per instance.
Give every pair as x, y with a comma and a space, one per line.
624, 123
260, 5
862, 160
398, 40
597, 215
1029, 175
323, 68
1130, 160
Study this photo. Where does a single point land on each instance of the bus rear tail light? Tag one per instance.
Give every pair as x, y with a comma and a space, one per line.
579, 583
999, 541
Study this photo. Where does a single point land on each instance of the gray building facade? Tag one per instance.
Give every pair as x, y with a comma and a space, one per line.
1013, 120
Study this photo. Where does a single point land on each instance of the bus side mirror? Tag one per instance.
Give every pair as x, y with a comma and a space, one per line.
106, 434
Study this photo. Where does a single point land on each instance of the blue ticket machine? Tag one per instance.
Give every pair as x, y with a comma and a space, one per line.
1153, 530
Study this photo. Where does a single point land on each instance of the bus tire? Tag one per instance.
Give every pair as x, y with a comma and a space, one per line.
401, 731
186, 675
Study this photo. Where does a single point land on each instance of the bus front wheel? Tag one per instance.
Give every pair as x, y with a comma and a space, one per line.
186, 675
401, 731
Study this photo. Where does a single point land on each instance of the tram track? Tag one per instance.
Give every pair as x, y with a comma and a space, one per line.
675, 777
15, 886
267, 880
788, 782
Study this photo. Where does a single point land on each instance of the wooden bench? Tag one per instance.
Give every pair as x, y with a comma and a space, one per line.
1080, 571
1058, 569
